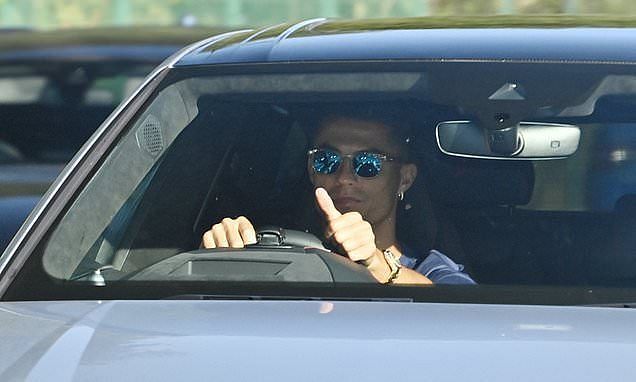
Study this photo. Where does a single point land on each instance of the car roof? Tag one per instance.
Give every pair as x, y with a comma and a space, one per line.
556, 38
150, 44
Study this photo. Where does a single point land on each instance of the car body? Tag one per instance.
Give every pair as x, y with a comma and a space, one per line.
106, 279
58, 87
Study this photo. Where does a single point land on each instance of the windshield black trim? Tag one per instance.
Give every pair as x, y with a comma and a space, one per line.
456, 294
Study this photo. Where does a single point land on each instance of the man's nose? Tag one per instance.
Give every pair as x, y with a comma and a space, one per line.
345, 174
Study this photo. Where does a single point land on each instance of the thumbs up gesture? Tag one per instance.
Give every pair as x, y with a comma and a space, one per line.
353, 234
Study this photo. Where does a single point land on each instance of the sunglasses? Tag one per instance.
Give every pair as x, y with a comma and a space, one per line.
363, 163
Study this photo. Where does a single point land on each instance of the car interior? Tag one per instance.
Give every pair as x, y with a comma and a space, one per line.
225, 154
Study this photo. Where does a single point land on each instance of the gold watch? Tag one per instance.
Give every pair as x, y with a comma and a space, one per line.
394, 264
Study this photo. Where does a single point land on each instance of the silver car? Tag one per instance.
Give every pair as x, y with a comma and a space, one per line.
524, 136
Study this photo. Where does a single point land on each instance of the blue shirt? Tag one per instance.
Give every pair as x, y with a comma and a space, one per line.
439, 268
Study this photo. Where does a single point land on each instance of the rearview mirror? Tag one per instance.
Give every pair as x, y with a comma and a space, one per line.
526, 140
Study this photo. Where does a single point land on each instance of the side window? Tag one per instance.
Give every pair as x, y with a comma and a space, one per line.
105, 204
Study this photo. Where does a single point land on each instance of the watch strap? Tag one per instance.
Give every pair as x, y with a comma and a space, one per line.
394, 265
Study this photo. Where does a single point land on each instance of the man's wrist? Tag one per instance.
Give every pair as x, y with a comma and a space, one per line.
379, 267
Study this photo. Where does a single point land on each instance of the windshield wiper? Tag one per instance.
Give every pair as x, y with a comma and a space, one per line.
284, 298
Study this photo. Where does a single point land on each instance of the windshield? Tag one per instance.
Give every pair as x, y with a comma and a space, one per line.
253, 142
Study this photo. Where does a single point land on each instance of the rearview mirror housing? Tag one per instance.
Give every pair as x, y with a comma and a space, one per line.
525, 141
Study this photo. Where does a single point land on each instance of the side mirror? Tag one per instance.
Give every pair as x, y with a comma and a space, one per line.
526, 140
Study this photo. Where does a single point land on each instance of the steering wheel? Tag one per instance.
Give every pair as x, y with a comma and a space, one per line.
342, 268
277, 236
280, 255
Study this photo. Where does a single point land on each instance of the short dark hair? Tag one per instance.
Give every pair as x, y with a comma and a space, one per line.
397, 118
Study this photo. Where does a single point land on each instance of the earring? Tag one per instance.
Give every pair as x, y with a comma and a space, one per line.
400, 196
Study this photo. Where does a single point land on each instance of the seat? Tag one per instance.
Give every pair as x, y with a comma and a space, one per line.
613, 260
476, 205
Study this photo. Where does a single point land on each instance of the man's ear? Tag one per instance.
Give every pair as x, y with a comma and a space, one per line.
408, 173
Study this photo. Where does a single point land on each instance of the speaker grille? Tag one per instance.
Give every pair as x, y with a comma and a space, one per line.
149, 137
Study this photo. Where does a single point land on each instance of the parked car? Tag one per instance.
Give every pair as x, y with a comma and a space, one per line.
509, 127
57, 88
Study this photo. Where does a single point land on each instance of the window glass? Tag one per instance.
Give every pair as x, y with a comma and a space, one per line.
214, 146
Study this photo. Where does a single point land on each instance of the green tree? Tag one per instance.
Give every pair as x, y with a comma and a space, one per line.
87, 13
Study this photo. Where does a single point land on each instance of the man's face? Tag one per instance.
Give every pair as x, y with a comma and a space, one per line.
375, 198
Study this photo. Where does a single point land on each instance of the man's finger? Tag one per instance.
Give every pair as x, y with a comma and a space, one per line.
219, 236
246, 229
361, 231
326, 204
234, 239
208, 240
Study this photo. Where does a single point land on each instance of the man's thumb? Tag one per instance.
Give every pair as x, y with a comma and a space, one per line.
326, 204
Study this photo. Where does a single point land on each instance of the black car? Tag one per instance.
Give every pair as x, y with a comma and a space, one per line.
502, 155
57, 88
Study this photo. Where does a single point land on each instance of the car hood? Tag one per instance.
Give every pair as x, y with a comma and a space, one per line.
312, 341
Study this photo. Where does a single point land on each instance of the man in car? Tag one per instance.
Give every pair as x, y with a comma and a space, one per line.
360, 167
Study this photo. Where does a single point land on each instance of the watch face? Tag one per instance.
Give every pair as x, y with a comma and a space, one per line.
393, 261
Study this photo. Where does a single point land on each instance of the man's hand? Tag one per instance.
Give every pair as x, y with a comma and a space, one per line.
354, 235
235, 233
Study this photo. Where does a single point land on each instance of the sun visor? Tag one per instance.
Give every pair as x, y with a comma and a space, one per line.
477, 183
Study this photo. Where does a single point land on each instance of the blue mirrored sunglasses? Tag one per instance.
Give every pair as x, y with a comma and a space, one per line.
363, 163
